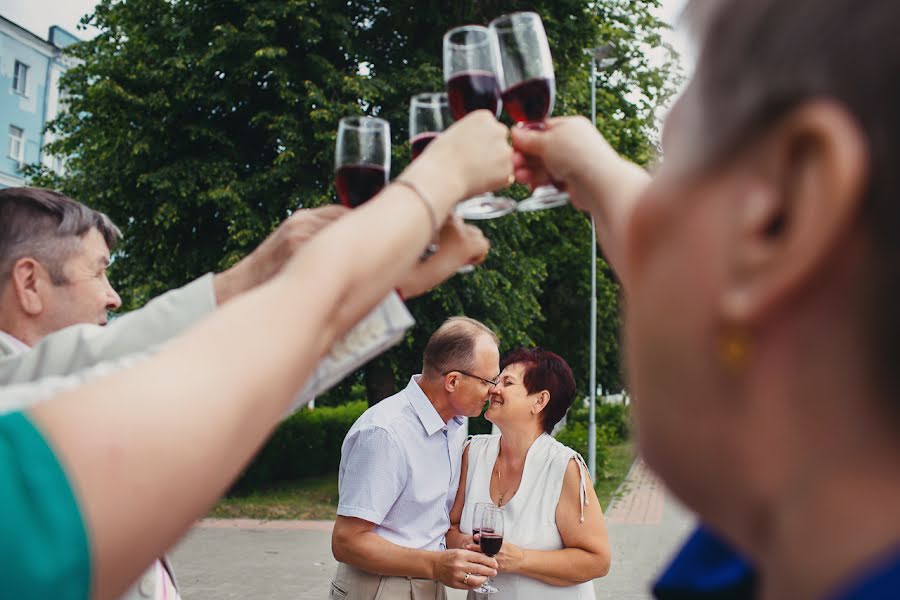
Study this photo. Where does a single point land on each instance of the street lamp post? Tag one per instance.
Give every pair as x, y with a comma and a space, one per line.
600, 58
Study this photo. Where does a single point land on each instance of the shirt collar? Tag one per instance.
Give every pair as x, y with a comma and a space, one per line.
15, 343
425, 410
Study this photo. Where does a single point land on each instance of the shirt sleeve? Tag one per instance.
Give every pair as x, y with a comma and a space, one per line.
82, 346
43, 540
373, 474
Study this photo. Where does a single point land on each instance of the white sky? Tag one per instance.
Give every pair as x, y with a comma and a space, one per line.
38, 15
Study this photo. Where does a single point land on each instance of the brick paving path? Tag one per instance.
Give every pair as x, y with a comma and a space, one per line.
642, 500
248, 559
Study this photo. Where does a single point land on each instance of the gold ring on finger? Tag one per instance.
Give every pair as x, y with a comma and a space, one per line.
466, 579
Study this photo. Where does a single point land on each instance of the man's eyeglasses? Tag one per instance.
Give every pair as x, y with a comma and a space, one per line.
490, 382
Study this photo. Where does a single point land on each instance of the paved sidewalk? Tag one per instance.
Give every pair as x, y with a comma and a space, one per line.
646, 526
291, 560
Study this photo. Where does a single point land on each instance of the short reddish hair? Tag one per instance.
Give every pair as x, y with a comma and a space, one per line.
545, 370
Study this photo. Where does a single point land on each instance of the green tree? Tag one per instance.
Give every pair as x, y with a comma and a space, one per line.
198, 125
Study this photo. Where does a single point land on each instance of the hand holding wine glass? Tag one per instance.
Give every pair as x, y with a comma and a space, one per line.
509, 559
567, 151
472, 156
462, 569
571, 151
528, 85
470, 72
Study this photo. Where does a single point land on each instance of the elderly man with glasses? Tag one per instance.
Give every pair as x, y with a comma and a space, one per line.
399, 472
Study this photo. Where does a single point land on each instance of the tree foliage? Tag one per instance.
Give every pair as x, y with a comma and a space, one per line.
198, 125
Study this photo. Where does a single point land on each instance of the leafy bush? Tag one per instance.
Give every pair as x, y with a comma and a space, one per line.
612, 428
616, 419
575, 436
306, 444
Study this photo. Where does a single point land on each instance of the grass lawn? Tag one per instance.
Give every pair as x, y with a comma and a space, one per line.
316, 498
608, 481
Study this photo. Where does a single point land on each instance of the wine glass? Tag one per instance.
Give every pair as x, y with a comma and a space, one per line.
477, 515
491, 540
429, 114
528, 85
362, 159
470, 71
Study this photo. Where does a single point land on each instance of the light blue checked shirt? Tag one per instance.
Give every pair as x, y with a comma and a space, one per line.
400, 469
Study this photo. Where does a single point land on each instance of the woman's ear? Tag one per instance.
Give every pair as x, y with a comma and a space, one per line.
542, 399
814, 168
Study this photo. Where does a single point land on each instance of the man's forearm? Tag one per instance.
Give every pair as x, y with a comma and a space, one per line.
371, 552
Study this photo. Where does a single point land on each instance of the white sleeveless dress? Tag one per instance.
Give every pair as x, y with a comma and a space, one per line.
529, 518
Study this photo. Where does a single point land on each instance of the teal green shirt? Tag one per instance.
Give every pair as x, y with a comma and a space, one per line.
44, 549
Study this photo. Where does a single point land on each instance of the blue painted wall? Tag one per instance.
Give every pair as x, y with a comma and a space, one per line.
26, 112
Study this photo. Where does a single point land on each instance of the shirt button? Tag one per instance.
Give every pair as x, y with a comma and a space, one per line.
147, 587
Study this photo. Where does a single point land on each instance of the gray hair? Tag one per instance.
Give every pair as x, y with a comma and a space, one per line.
452, 346
47, 226
760, 60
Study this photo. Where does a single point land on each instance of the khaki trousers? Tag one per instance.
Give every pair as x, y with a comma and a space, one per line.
351, 583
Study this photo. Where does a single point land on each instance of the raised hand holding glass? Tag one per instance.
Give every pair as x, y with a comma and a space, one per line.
528, 85
470, 72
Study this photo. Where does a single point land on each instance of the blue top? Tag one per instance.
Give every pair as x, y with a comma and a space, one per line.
43, 540
706, 568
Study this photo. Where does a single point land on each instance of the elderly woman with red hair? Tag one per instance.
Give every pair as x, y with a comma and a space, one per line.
555, 539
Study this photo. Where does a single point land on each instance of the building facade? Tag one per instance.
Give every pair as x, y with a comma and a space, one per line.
30, 68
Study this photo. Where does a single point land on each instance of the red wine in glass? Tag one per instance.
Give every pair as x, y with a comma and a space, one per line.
529, 101
473, 90
491, 543
357, 184
419, 143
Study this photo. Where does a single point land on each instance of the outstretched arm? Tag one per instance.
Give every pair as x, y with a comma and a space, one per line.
572, 153
198, 410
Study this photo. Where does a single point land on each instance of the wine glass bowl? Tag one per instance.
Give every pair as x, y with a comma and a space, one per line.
470, 70
429, 115
362, 159
477, 515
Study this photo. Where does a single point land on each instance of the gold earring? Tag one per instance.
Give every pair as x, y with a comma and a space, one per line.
735, 345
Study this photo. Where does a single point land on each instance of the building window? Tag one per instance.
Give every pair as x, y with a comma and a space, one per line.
20, 78
17, 144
